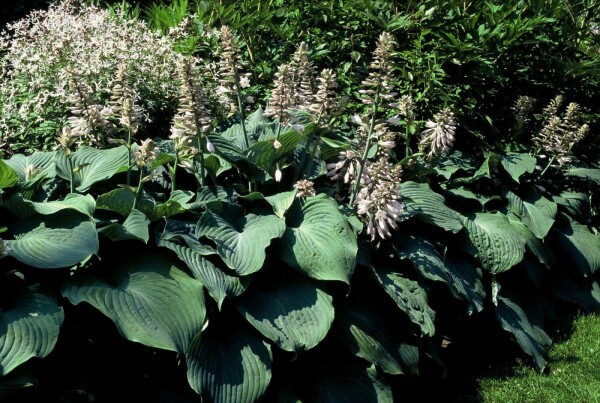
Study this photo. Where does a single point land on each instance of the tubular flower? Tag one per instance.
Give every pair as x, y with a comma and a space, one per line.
439, 133
122, 101
231, 78
523, 107
559, 134
346, 167
66, 140
193, 117
303, 77
281, 94
305, 188
377, 201
326, 101
380, 80
145, 154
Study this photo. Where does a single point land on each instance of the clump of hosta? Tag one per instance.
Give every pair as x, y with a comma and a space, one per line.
93, 44
438, 135
559, 132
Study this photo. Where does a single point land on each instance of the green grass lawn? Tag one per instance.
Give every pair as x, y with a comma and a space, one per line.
573, 374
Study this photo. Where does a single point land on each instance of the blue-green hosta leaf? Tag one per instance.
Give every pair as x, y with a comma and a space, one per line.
232, 366
209, 194
184, 232
580, 244
147, 297
591, 174
516, 164
241, 240
564, 287
464, 193
85, 204
59, 240
92, 165
365, 331
410, 297
576, 204
281, 202
536, 212
118, 200
453, 162
318, 240
8, 176
28, 329
219, 284
352, 382
463, 279
135, 227
121, 201
535, 246
494, 241
32, 166
292, 312
532, 339
264, 155
430, 206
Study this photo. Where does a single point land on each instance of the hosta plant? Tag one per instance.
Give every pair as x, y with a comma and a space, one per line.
279, 256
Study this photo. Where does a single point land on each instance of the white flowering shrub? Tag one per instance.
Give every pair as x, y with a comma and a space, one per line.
37, 51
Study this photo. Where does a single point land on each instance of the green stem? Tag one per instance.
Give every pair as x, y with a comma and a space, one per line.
407, 150
139, 189
174, 174
129, 157
409, 157
547, 166
71, 174
201, 159
242, 115
366, 151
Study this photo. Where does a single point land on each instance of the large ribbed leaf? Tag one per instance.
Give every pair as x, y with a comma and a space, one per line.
281, 202
463, 278
366, 332
532, 339
24, 208
59, 240
566, 288
318, 240
265, 155
292, 312
580, 244
32, 166
494, 241
591, 174
29, 328
229, 366
241, 240
92, 165
148, 298
419, 198
135, 227
121, 201
8, 176
516, 164
219, 284
352, 382
453, 162
410, 297
536, 212
577, 204
534, 245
